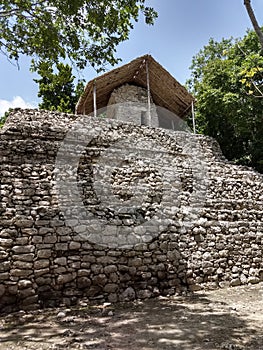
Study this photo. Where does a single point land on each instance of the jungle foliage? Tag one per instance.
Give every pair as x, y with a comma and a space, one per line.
227, 82
57, 88
81, 31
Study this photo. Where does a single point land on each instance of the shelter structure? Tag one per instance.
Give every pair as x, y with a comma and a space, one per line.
143, 82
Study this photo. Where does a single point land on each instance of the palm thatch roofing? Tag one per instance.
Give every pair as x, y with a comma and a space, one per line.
166, 91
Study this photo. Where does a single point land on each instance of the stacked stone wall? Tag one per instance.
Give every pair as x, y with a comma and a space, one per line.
129, 103
166, 213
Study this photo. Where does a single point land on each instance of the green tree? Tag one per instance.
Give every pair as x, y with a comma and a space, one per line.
83, 31
4, 117
57, 89
226, 80
254, 21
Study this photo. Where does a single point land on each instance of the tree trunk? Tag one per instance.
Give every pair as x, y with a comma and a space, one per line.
254, 22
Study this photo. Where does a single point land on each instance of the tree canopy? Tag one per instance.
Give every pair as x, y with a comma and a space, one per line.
254, 21
57, 88
83, 31
227, 81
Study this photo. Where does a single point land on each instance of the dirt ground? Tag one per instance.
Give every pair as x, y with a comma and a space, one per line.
230, 318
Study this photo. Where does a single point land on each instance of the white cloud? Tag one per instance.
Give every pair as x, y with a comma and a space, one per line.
16, 102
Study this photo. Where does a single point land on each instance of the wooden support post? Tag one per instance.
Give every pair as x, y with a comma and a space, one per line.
95, 99
193, 117
149, 94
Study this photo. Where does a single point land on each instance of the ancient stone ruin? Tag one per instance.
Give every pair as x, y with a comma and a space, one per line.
109, 210
130, 103
141, 92
118, 205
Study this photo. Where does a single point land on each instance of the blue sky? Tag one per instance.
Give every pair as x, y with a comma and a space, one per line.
181, 30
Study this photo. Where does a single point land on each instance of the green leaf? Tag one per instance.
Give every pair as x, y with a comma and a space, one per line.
82, 31
225, 78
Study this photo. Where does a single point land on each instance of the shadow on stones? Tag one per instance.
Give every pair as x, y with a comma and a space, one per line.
186, 323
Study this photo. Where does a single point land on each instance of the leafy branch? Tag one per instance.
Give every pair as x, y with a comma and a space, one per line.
83, 31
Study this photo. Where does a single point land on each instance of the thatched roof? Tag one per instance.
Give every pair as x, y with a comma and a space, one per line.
165, 89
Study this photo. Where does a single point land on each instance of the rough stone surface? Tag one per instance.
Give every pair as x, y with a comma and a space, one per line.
167, 213
129, 103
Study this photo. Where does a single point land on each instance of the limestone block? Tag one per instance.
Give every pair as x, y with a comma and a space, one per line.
235, 282
5, 266
253, 279
83, 282
4, 276
41, 264
23, 249
3, 254
21, 241
6, 242
128, 295
61, 246
20, 273
22, 264
144, 294
44, 253
100, 280
2, 290
111, 288
63, 279
50, 239
110, 269
23, 257
41, 272
23, 223
74, 245
25, 293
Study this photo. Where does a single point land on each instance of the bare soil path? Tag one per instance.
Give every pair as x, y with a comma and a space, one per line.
230, 318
